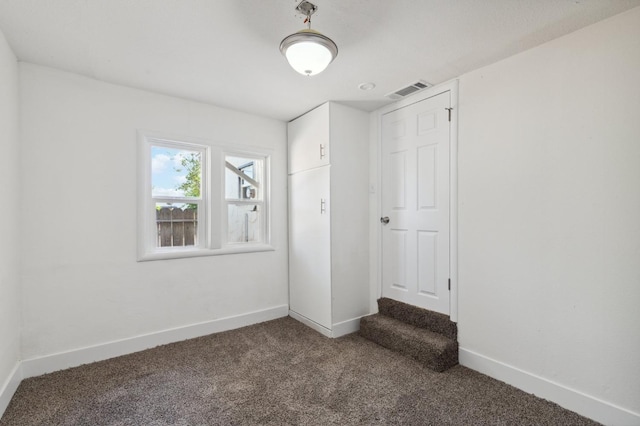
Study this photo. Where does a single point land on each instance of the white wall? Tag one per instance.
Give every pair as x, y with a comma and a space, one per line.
549, 211
82, 285
9, 194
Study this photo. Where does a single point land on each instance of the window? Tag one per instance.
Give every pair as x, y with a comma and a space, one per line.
243, 198
176, 188
198, 199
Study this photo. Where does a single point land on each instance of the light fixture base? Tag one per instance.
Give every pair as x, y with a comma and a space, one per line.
306, 8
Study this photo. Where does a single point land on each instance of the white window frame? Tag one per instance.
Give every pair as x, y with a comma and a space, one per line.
212, 208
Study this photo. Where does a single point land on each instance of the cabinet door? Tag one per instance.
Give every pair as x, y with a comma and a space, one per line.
309, 140
309, 245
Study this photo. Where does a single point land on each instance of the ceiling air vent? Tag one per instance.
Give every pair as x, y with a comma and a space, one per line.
409, 90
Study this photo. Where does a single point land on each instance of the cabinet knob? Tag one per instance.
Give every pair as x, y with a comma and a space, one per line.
384, 220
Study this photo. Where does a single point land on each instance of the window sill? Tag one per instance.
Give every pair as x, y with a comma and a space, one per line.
200, 252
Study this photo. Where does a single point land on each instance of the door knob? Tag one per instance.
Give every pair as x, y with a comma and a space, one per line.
384, 220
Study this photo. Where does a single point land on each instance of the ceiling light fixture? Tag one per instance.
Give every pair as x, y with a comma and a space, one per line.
308, 51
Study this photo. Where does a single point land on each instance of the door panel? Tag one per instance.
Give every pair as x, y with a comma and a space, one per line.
427, 265
309, 245
399, 250
427, 176
415, 196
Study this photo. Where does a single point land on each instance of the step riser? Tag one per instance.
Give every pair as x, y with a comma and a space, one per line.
437, 357
422, 318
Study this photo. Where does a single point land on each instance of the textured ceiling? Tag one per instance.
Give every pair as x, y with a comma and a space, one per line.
225, 52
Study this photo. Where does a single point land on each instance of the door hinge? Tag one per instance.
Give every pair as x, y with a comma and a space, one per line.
449, 284
449, 109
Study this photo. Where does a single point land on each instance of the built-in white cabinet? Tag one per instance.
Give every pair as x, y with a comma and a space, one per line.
310, 245
328, 218
309, 140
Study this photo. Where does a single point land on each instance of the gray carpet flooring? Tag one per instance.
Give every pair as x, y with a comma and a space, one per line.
276, 373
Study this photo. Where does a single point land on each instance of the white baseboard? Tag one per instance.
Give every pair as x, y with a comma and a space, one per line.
9, 387
339, 329
568, 398
311, 324
60, 361
346, 327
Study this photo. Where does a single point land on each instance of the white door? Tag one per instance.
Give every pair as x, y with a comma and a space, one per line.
415, 199
310, 245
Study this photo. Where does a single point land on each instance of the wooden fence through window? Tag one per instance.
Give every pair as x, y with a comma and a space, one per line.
177, 227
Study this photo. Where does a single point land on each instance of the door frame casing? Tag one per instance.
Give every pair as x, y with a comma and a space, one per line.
452, 88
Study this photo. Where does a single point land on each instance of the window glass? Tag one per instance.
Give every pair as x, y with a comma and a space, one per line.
175, 172
243, 193
176, 176
245, 223
242, 178
177, 224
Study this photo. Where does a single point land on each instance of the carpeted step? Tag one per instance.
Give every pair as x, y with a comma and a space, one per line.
433, 350
422, 318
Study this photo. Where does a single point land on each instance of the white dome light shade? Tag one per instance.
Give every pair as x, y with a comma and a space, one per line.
308, 58
308, 51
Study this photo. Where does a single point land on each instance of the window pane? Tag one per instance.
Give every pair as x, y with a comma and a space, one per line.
175, 172
243, 177
177, 225
245, 223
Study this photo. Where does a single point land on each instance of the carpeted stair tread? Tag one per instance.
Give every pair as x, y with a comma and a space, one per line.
433, 350
418, 317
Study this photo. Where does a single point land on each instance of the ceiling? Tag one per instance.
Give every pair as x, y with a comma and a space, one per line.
225, 52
